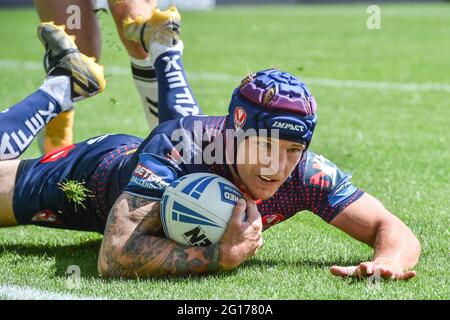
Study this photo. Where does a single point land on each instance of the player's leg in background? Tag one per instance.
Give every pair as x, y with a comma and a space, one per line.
160, 37
8, 170
71, 77
21, 123
141, 67
176, 98
59, 132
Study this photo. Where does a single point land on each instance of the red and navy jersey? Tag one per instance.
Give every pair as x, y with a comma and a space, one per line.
112, 164
97, 164
316, 184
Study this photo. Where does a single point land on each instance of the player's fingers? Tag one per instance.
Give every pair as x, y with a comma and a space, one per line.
252, 211
364, 269
342, 271
238, 212
259, 245
370, 268
248, 198
386, 273
406, 275
260, 242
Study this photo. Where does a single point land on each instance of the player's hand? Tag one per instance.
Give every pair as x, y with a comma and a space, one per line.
384, 269
243, 236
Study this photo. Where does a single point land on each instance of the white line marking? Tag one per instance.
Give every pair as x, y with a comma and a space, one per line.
28, 293
223, 77
384, 85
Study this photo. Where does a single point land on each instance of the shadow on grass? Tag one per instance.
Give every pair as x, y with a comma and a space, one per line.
305, 263
83, 255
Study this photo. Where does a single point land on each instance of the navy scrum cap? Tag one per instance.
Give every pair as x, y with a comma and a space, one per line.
273, 99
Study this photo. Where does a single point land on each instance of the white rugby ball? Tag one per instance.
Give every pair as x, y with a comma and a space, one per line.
196, 208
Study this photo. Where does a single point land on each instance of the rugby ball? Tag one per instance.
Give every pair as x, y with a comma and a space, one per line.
196, 208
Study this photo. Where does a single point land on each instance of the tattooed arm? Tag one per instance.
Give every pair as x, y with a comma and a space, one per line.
133, 243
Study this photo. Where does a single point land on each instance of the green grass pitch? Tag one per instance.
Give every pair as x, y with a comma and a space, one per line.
393, 137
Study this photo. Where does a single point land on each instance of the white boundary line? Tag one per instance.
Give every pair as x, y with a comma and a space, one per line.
28, 293
223, 77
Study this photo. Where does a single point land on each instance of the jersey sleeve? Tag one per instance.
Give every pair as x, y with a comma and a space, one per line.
155, 169
327, 189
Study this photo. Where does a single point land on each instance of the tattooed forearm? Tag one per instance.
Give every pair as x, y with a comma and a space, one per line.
134, 246
159, 256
